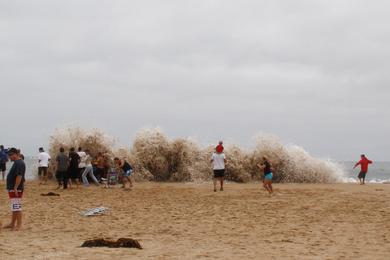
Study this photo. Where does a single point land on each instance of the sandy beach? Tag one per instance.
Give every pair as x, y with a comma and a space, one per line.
189, 221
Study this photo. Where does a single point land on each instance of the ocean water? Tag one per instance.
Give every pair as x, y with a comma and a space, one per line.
378, 172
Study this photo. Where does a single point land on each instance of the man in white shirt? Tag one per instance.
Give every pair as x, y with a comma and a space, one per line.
43, 165
83, 157
218, 159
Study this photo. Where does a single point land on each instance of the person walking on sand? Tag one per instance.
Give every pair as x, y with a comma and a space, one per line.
62, 167
364, 162
3, 161
82, 155
73, 170
15, 187
43, 165
268, 175
218, 159
88, 170
127, 171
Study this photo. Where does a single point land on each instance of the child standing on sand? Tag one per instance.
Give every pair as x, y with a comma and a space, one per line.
218, 159
268, 175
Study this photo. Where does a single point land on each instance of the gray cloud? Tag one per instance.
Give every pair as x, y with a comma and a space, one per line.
313, 72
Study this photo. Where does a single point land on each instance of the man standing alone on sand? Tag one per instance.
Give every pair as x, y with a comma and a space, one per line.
218, 160
15, 187
3, 160
364, 162
43, 165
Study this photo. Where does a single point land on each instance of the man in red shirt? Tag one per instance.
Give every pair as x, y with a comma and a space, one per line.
364, 162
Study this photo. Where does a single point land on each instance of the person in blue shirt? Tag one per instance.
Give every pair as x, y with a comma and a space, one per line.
3, 160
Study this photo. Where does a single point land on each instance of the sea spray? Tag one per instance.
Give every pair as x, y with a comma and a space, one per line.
168, 160
292, 163
156, 157
94, 140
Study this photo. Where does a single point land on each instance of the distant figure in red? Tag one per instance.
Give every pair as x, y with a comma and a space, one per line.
364, 162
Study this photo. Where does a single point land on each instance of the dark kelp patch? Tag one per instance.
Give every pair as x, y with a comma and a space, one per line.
122, 242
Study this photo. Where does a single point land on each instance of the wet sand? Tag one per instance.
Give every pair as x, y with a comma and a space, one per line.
190, 221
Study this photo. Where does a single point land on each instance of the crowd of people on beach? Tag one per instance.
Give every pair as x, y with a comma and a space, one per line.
73, 167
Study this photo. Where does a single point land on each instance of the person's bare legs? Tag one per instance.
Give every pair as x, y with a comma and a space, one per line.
70, 183
268, 186
124, 178
221, 183
44, 176
215, 183
264, 185
40, 175
13, 221
3, 173
130, 182
18, 220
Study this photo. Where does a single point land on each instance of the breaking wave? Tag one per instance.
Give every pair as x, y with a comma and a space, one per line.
156, 157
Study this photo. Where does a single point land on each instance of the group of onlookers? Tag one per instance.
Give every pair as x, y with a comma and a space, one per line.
73, 167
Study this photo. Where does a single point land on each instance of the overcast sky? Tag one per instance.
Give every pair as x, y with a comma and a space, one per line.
315, 73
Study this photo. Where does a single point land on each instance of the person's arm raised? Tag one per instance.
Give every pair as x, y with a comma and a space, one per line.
356, 165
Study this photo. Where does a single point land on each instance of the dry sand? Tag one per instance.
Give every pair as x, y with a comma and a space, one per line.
189, 221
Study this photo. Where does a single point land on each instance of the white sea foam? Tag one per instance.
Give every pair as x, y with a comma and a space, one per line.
157, 157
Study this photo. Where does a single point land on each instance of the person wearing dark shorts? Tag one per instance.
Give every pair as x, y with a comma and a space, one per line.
43, 165
15, 187
62, 167
73, 170
127, 171
362, 176
219, 173
364, 162
218, 159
